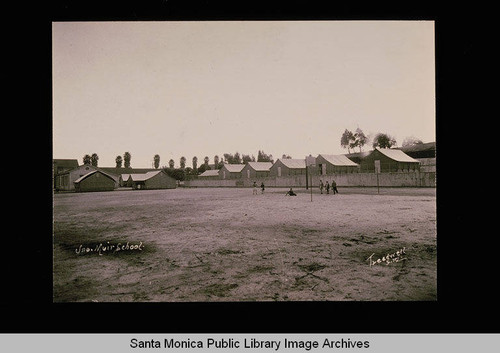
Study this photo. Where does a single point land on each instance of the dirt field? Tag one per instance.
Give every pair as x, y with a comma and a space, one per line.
229, 245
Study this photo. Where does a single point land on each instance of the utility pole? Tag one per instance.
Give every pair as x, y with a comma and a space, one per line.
377, 171
307, 177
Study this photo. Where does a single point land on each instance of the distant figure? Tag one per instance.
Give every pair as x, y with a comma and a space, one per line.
328, 188
334, 187
290, 193
321, 186
262, 187
255, 188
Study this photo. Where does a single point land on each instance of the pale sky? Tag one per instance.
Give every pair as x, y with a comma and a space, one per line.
214, 87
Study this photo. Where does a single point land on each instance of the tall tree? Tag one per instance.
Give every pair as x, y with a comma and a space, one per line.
262, 157
118, 161
156, 160
236, 158
171, 163
216, 161
206, 160
86, 159
183, 162
94, 159
195, 164
126, 159
360, 138
347, 140
383, 141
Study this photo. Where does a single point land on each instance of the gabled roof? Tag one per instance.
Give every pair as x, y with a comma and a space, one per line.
294, 163
260, 166
234, 168
359, 155
93, 172
144, 176
81, 167
396, 155
122, 170
65, 163
338, 160
419, 147
210, 172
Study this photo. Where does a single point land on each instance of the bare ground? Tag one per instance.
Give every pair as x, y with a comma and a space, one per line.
229, 245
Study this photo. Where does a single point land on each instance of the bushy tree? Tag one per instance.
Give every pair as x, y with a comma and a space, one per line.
263, 157
86, 159
171, 163
411, 141
177, 174
232, 159
202, 168
383, 141
183, 162
246, 158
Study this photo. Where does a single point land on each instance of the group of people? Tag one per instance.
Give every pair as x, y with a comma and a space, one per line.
290, 192
262, 188
327, 186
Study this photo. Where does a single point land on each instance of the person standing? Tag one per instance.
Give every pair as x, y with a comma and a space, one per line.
255, 188
321, 186
327, 187
262, 187
334, 187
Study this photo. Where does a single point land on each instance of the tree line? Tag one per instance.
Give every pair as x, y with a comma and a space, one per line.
349, 140
358, 139
181, 172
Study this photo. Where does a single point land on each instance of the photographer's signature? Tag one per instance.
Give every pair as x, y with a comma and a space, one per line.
389, 258
108, 248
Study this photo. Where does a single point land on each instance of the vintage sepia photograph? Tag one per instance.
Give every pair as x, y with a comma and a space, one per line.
244, 161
